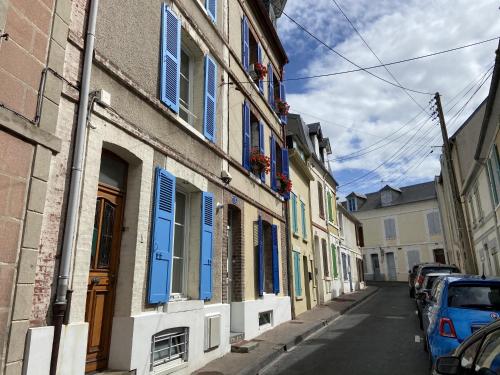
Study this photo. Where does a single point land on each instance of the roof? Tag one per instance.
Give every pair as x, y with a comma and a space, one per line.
359, 195
485, 127
409, 194
389, 187
260, 11
296, 127
348, 214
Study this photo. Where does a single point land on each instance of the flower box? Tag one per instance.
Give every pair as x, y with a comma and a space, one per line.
259, 162
284, 183
258, 71
282, 107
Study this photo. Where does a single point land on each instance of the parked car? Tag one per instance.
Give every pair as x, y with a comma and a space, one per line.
479, 354
423, 295
412, 274
459, 305
427, 268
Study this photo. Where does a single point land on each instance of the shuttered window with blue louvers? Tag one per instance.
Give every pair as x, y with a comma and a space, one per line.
245, 43
270, 85
210, 103
211, 7
160, 264
170, 58
207, 239
276, 259
246, 136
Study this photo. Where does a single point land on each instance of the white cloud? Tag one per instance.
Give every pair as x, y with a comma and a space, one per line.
374, 109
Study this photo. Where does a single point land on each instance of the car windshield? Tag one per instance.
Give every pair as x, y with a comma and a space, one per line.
480, 296
428, 270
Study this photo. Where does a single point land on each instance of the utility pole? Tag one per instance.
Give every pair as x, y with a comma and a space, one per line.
469, 259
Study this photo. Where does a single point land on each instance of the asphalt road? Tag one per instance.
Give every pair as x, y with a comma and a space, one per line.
379, 337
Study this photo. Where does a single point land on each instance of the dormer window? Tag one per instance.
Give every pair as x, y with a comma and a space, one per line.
386, 197
352, 204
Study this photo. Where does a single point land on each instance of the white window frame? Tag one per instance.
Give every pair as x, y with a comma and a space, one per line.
182, 296
395, 229
189, 110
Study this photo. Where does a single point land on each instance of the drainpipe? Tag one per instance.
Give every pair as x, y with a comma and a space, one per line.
291, 291
61, 302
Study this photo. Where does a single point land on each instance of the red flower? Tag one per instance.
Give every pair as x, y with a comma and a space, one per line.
260, 70
282, 107
285, 183
260, 162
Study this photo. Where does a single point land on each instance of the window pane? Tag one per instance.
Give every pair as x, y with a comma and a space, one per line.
184, 64
179, 241
108, 220
95, 233
180, 208
177, 271
112, 172
489, 357
480, 297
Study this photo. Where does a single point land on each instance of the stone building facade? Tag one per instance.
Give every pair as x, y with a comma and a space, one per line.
401, 228
180, 244
32, 48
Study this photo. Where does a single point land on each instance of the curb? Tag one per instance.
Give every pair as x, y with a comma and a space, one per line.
274, 354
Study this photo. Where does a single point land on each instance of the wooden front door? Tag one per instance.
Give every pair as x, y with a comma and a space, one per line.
102, 275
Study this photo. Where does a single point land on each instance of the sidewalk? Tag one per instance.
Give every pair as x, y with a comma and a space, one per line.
285, 336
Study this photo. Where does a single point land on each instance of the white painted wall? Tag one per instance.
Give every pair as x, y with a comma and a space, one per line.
245, 315
72, 349
131, 337
38, 350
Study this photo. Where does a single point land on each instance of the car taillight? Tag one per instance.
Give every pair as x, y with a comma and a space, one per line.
420, 280
446, 328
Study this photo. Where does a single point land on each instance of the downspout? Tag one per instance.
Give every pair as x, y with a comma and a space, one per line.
288, 261
61, 302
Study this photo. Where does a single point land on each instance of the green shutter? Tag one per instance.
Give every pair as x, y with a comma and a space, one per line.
295, 225
330, 211
334, 261
303, 216
298, 281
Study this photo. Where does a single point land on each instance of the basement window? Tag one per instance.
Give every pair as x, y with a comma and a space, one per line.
169, 348
265, 319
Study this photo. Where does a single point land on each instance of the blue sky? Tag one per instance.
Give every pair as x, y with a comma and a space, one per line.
358, 111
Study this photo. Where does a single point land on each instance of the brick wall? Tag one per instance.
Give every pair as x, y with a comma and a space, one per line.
23, 56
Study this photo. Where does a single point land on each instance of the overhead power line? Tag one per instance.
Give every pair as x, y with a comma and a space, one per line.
352, 62
374, 54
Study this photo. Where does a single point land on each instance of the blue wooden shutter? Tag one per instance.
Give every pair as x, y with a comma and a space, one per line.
207, 243
273, 163
276, 260
210, 106
284, 168
261, 148
283, 99
170, 58
211, 7
259, 60
245, 43
160, 263
270, 85
246, 136
260, 257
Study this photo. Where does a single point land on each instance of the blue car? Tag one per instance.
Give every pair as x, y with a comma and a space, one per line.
459, 305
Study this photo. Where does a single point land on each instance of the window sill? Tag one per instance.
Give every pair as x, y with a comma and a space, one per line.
305, 240
327, 278
299, 298
183, 305
296, 235
168, 368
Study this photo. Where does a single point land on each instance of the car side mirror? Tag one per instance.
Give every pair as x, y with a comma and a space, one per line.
421, 296
448, 365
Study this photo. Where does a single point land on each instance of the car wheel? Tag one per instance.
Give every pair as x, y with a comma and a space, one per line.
412, 293
426, 345
431, 366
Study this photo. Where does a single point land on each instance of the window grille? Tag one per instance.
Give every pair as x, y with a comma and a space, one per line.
169, 346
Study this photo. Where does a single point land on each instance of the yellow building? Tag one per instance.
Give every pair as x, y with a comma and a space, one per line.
303, 286
401, 228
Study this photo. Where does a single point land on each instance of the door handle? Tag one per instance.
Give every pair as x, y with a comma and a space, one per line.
95, 280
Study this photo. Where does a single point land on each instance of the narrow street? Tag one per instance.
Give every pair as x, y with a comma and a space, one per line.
377, 337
